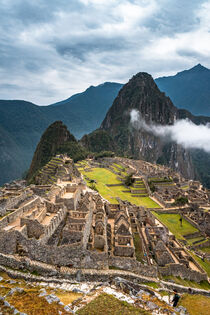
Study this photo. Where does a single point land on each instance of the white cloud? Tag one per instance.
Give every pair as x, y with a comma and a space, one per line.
52, 49
184, 132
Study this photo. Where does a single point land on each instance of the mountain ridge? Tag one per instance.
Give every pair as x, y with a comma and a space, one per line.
22, 122
189, 89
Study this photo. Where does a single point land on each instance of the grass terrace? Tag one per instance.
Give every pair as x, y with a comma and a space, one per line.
104, 177
205, 249
204, 285
173, 224
198, 240
204, 264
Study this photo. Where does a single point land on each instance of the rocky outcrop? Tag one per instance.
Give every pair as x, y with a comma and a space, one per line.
141, 93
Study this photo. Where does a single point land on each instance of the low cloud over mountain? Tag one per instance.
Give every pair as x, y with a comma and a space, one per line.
183, 131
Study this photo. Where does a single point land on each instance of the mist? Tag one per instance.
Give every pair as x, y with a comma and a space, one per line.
184, 132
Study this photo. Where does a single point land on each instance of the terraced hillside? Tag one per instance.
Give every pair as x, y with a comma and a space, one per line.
55, 169
109, 182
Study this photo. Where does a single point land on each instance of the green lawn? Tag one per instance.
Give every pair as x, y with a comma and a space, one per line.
103, 176
172, 222
190, 241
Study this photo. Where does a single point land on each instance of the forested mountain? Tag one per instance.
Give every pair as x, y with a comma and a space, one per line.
22, 124
189, 89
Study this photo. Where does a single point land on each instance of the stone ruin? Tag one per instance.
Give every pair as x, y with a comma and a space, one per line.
65, 224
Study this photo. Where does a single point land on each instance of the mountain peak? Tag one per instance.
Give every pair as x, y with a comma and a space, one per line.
51, 141
198, 67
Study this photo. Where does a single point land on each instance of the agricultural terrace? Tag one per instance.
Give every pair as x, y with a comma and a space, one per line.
103, 177
173, 224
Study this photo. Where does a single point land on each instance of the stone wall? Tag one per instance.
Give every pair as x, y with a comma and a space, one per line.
179, 270
192, 235
191, 222
88, 226
19, 212
54, 223
133, 265
204, 244
124, 251
10, 203
66, 255
34, 228
8, 242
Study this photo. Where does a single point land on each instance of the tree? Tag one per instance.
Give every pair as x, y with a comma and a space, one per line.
129, 180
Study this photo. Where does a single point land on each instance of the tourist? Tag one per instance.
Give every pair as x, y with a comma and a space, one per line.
175, 298
180, 221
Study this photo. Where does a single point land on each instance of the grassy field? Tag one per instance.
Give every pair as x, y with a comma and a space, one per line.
109, 305
173, 223
196, 304
192, 240
103, 176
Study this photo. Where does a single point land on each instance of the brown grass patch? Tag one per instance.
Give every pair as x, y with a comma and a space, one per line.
32, 304
196, 304
109, 305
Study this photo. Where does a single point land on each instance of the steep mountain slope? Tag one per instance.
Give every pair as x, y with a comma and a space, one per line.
98, 141
11, 159
91, 106
56, 139
189, 89
141, 93
22, 124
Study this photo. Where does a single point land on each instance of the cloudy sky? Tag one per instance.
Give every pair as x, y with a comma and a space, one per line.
51, 49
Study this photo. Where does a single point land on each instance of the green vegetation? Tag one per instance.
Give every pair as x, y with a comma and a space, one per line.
138, 247
93, 186
119, 166
202, 285
55, 140
129, 180
153, 285
109, 305
104, 177
185, 187
196, 304
103, 154
98, 141
160, 180
151, 186
181, 201
173, 223
196, 239
205, 249
204, 264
